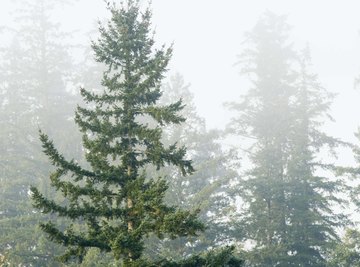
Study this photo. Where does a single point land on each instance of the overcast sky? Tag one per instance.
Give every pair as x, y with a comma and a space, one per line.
208, 35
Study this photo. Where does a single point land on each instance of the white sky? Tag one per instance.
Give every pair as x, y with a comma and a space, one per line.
207, 36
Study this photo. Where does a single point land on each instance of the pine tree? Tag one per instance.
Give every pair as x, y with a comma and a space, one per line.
288, 194
35, 60
265, 116
312, 192
117, 203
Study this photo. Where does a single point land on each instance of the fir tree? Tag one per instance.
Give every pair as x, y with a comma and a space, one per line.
312, 192
264, 115
35, 63
117, 203
288, 193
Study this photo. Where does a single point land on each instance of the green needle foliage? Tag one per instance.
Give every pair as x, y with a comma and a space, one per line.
346, 253
113, 206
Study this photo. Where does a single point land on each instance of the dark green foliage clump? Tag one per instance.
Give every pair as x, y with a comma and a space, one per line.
221, 258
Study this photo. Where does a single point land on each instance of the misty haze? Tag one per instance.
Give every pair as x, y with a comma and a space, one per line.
179, 133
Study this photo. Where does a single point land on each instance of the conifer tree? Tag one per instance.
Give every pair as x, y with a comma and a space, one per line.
35, 68
288, 193
117, 203
264, 115
312, 193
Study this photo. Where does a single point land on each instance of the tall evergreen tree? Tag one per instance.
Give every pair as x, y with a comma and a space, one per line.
287, 195
312, 193
118, 205
35, 68
265, 115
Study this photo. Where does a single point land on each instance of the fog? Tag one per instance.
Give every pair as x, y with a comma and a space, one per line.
208, 37
274, 175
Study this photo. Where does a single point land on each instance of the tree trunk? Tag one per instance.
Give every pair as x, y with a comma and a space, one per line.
130, 204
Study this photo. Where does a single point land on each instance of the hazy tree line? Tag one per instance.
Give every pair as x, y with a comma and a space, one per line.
137, 179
